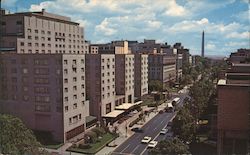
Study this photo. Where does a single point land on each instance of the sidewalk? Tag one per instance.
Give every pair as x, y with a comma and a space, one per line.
123, 136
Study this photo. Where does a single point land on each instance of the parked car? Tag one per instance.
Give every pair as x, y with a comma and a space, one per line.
146, 139
163, 131
161, 111
152, 144
136, 129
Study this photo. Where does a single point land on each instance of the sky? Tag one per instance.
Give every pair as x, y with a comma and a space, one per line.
226, 22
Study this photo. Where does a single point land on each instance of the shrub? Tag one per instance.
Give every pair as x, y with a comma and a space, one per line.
134, 122
99, 131
84, 146
92, 136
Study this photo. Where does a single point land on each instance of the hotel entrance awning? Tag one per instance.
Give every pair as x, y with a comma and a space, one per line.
124, 106
114, 113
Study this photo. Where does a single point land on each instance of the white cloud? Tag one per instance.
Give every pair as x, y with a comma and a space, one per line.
204, 24
83, 23
237, 35
175, 10
154, 24
243, 15
210, 46
106, 28
237, 44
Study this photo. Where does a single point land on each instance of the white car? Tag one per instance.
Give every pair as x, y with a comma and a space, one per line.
152, 144
163, 131
146, 139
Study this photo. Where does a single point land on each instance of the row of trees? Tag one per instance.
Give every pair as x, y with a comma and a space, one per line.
185, 123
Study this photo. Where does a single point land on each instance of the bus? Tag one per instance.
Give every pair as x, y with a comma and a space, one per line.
176, 101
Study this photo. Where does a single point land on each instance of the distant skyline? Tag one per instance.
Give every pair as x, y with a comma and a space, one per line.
225, 22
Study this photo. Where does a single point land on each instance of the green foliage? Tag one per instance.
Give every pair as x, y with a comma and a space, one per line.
99, 131
184, 124
155, 85
170, 147
90, 137
16, 138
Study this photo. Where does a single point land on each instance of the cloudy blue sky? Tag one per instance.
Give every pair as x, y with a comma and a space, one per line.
225, 22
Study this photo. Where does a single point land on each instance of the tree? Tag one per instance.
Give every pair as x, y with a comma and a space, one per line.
184, 124
155, 85
16, 138
170, 147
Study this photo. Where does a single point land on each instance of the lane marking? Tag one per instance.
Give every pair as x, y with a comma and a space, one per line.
135, 148
125, 148
156, 136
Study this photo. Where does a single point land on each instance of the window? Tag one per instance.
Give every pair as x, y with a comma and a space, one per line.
22, 43
25, 97
36, 31
74, 88
25, 88
25, 70
29, 44
65, 71
19, 22
75, 97
66, 108
74, 79
65, 80
65, 90
65, 62
48, 32
74, 105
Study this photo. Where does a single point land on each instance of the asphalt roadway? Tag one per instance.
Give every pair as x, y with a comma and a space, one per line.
133, 145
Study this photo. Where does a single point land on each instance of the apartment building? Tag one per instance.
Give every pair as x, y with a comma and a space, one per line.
100, 81
241, 56
162, 68
124, 76
141, 75
233, 116
46, 91
93, 49
41, 32
178, 68
115, 47
148, 46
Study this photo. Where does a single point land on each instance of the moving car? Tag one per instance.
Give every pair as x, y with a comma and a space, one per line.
136, 129
152, 144
163, 131
146, 139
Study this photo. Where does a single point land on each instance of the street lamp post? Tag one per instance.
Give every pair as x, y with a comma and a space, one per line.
126, 129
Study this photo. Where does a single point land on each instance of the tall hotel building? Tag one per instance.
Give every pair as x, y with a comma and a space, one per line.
124, 64
100, 75
141, 75
43, 72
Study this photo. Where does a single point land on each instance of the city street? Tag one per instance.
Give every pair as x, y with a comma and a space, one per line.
134, 146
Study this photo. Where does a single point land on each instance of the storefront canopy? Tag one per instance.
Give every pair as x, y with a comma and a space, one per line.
124, 106
114, 113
